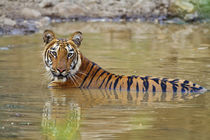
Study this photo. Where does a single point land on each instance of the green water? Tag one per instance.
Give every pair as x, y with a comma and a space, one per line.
29, 110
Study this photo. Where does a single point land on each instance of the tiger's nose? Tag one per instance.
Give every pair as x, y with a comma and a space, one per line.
61, 70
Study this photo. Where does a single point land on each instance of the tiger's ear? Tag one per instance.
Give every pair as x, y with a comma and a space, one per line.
48, 36
77, 38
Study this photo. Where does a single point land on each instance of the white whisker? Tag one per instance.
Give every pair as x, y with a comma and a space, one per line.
72, 80
78, 77
75, 79
82, 73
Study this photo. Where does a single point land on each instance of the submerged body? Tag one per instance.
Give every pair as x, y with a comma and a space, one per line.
69, 68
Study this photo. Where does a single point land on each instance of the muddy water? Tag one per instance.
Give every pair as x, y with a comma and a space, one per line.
29, 110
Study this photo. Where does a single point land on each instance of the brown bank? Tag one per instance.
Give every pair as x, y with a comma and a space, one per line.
28, 16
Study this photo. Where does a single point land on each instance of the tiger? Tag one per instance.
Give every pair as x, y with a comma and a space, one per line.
69, 68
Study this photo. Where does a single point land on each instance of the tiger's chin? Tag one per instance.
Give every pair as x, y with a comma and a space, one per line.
59, 78
57, 84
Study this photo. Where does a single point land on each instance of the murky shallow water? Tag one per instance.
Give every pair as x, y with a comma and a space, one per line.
29, 110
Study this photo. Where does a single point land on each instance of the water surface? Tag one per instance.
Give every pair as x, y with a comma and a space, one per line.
29, 110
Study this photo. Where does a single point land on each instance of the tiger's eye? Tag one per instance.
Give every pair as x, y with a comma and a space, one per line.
53, 53
70, 55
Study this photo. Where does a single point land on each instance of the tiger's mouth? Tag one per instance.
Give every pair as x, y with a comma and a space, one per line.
60, 77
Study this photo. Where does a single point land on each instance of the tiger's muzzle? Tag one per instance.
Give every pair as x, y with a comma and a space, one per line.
59, 74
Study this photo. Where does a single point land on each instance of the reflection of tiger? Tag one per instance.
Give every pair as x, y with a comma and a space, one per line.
69, 68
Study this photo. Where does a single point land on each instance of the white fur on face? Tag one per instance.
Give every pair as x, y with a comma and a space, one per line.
47, 68
78, 64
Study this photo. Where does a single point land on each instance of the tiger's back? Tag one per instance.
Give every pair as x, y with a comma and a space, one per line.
99, 78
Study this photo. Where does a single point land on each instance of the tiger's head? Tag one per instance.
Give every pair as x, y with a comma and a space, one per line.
62, 56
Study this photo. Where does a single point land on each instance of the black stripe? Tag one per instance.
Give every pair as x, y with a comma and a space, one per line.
184, 87
47, 62
93, 77
93, 64
183, 90
137, 86
145, 83
75, 63
195, 89
153, 88
103, 81
129, 82
175, 87
116, 82
156, 80
163, 85
101, 75
110, 76
137, 89
110, 86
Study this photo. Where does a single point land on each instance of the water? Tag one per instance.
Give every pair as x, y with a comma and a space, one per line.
29, 110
